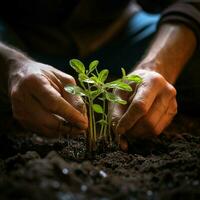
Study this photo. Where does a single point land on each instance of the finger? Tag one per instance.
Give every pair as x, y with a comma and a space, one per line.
38, 119
63, 77
66, 128
167, 117
52, 101
61, 130
116, 110
146, 124
54, 81
140, 105
75, 100
32, 115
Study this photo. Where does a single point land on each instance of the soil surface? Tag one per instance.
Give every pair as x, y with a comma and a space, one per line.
36, 168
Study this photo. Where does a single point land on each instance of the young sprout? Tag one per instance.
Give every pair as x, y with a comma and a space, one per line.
96, 92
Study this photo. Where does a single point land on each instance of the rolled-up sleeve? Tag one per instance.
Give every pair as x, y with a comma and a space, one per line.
180, 11
187, 12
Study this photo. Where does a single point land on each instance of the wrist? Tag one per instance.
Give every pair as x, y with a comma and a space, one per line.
17, 67
169, 51
156, 65
161, 64
16, 61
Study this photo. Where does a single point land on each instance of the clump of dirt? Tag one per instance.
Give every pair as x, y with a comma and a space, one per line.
37, 168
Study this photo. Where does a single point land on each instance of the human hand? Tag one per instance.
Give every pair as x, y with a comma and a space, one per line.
40, 103
149, 110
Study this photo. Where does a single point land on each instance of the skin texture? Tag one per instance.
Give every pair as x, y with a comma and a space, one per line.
38, 99
152, 105
40, 103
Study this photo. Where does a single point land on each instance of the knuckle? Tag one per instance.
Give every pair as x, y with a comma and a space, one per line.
71, 79
32, 80
157, 79
172, 90
29, 78
141, 107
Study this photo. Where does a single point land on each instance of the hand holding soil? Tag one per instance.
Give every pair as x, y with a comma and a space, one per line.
40, 103
150, 108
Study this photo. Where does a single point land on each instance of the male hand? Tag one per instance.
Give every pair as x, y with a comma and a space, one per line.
40, 103
150, 108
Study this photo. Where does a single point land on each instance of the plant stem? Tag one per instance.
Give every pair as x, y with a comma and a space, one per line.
94, 127
102, 131
109, 128
91, 127
105, 128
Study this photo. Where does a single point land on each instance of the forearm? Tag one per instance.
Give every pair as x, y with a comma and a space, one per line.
168, 53
8, 56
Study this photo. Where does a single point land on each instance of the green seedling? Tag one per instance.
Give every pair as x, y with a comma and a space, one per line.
94, 88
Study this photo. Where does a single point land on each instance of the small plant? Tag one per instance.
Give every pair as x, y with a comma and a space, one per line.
94, 88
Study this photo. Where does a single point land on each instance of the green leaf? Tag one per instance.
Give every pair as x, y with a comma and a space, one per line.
123, 72
74, 89
115, 99
134, 78
95, 93
97, 108
94, 78
102, 122
120, 86
110, 96
70, 89
93, 65
77, 65
121, 101
89, 80
84, 78
103, 75
115, 81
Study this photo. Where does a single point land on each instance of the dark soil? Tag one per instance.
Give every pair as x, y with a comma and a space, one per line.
35, 168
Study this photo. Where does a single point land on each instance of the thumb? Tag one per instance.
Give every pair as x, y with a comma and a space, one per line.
75, 100
116, 112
